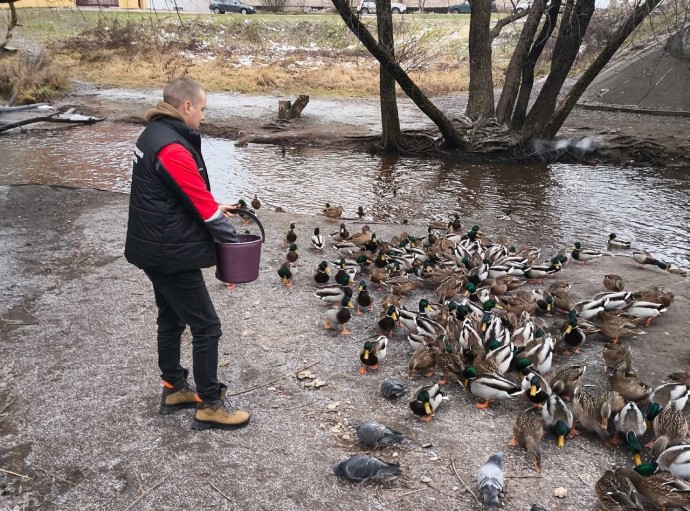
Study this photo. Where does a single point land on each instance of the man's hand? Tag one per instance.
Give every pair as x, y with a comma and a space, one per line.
226, 208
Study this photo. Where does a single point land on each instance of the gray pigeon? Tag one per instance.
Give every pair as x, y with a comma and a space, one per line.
363, 468
490, 481
393, 389
373, 433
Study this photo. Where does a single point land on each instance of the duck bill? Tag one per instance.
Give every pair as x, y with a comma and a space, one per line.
366, 355
394, 316
648, 423
548, 309
465, 382
427, 408
561, 441
328, 270
533, 390
569, 329
637, 460
483, 327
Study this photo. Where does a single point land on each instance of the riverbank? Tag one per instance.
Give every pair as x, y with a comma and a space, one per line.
79, 387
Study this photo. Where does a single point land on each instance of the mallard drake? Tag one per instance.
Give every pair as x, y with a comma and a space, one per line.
364, 299
292, 254
528, 432
614, 301
588, 413
256, 203
290, 236
523, 333
669, 424
536, 388
387, 320
332, 211
557, 417
341, 234
616, 326
662, 488
670, 393
345, 269
317, 241
285, 274
426, 400
408, 317
334, 294
489, 386
588, 309
373, 353
423, 359
630, 424
676, 460
573, 337
609, 403
613, 282
540, 352
323, 273
500, 354
615, 242
644, 310
628, 386
340, 315
615, 355
616, 493
564, 379
584, 255
541, 271
643, 257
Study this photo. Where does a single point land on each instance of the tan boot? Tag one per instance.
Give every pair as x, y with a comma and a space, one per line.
177, 397
216, 415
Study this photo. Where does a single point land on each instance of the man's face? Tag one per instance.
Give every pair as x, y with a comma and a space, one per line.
193, 111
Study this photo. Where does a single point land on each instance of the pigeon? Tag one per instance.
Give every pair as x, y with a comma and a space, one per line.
362, 468
373, 433
393, 389
490, 481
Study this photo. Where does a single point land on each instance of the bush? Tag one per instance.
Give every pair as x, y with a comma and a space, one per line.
34, 77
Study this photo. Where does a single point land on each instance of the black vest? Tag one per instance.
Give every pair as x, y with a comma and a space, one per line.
165, 232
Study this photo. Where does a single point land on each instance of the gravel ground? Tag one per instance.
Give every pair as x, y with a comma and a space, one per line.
79, 385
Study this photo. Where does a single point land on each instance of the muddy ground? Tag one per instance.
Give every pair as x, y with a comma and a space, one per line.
79, 385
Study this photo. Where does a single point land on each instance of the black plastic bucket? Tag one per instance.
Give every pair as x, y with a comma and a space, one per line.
239, 262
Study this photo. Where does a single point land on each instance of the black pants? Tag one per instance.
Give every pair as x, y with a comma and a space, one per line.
182, 299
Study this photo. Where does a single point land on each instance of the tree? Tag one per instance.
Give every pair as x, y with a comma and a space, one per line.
480, 102
390, 122
10, 28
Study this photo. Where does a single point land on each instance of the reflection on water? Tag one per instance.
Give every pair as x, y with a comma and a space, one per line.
553, 205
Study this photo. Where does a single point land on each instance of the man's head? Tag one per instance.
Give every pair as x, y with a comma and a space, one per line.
188, 97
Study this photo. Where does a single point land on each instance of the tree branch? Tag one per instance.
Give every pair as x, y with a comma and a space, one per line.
496, 31
10, 27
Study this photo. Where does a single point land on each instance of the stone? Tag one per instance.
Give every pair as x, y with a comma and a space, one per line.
560, 492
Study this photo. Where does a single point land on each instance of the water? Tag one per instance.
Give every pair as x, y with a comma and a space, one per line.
553, 205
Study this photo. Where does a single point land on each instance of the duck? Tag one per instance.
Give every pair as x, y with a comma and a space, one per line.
408, 317
332, 211
644, 310
489, 387
630, 423
449, 287
643, 258
655, 295
360, 212
449, 362
256, 203
616, 326
290, 235
628, 386
318, 242
536, 388
528, 432
558, 418
615, 242
373, 353
344, 269
609, 403
680, 377
613, 282
614, 301
423, 359
500, 354
388, 319
285, 274
364, 299
340, 315
426, 400
363, 237
670, 393
292, 254
676, 460
588, 413
564, 379
334, 294
615, 355
662, 489
616, 493
669, 425
341, 234
588, 309
584, 255
540, 352
323, 273
573, 337
400, 285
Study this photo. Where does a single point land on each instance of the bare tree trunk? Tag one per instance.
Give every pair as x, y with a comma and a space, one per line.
10, 27
573, 27
512, 81
390, 122
451, 135
616, 41
480, 101
520, 112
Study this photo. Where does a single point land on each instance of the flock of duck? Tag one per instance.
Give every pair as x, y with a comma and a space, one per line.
491, 335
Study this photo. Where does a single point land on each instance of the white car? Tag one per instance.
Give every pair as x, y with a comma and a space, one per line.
369, 7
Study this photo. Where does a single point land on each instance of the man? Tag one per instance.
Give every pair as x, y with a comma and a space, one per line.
173, 221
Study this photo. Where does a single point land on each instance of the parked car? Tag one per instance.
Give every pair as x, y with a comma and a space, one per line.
465, 8
523, 5
369, 7
223, 6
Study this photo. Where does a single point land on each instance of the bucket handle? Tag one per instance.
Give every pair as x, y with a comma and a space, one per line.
251, 216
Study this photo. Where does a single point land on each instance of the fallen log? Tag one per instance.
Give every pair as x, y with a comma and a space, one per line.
59, 117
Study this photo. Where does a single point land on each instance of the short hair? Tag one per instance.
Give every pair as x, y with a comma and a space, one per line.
181, 89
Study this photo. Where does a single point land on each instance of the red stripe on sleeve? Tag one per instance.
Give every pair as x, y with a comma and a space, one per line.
183, 169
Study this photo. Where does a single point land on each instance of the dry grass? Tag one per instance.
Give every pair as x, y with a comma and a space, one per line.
37, 78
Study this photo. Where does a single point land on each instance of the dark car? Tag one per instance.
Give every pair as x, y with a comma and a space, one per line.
223, 6
465, 8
